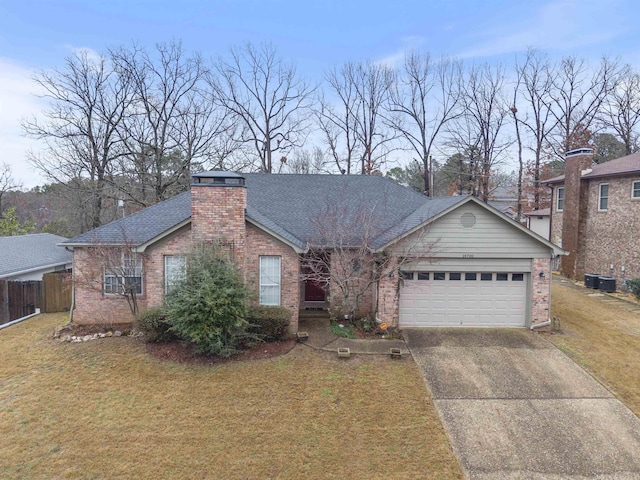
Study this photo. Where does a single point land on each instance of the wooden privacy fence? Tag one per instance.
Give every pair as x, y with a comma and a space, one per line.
57, 292
21, 298
24, 298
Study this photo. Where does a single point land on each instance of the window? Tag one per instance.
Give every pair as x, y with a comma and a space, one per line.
486, 277
455, 276
517, 277
603, 197
560, 199
423, 275
635, 189
470, 276
269, 280
125, 278
439, 276
175, 268
502, 277
406, 275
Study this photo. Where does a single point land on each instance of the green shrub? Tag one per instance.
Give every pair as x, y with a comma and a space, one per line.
270, 323
634, 286
154, 323
208, 308
367, 324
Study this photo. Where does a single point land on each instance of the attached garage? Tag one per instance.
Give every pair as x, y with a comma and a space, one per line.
471, 267
464, 299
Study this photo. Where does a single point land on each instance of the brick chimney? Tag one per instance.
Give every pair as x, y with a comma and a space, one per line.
218, 202
574, 211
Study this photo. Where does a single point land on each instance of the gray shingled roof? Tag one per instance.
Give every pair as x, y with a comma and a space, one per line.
23, 253
140, 227
289, 206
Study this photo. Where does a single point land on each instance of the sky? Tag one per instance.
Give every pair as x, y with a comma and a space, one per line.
313, 34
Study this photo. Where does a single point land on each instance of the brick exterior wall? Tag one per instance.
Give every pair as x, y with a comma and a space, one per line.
389, 296
540, 291
92, 306
259, 243
608, 237
366, 307
612, 235
177, 244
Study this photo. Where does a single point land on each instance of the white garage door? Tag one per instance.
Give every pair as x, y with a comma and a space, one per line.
463, 299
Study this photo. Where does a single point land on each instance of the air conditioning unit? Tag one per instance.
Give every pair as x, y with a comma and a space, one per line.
607, 284
591, 280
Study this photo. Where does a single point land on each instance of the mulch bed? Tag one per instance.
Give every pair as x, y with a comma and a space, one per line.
180, 353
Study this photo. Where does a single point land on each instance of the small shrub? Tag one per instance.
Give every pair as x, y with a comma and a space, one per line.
367, 325
634, 287
270, 323
154, 323
347, 330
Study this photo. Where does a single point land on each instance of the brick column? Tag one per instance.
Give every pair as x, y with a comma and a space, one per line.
573, 211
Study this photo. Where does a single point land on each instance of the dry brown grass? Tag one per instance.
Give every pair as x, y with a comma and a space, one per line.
602, 337
105, 409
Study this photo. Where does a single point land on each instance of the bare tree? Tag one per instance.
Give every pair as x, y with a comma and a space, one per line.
267, 97
88, 101
532, 101
621, 111
373, 85
577, 96
172, 125
479, 134
425, 98
355, 128
305, 161
337, 120
7, 182
113, 270
343, 257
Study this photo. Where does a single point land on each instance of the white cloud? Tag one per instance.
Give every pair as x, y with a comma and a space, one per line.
396, 58
17, 101
560, 25
91, 54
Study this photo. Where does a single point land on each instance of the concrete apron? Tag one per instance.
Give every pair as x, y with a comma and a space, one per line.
516, 407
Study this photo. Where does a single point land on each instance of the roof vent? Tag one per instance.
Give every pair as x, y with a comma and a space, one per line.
468, 220
218, 178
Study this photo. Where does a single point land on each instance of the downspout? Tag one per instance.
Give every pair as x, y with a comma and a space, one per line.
73, 287
540, 325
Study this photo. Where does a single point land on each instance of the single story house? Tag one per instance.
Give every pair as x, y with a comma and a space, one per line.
456, 260
24, 259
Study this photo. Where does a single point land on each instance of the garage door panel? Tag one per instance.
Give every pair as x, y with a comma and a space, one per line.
473, 303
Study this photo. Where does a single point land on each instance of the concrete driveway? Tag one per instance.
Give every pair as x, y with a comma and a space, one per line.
514, 406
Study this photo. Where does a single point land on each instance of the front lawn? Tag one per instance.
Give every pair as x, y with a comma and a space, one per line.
105, 409
602, 337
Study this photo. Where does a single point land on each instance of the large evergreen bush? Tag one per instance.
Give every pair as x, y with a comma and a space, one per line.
208, 308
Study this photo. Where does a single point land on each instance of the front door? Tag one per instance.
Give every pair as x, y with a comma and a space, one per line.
313, 291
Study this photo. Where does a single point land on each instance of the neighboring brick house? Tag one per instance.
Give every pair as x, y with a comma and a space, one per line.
454, 260
595, 216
